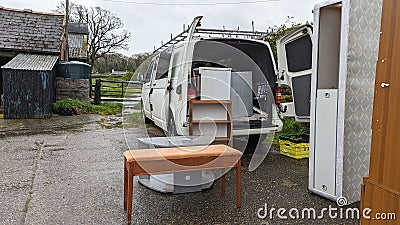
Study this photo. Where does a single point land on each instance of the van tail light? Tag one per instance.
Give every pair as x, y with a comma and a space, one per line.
278, 96
191, 94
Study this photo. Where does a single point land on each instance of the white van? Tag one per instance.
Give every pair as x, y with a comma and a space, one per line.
172, 79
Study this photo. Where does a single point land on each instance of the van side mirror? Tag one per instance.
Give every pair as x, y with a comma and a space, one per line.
140, 77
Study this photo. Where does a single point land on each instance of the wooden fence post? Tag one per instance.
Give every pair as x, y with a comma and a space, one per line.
97, 92
122, 85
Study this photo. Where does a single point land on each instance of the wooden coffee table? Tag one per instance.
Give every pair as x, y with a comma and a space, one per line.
182, 159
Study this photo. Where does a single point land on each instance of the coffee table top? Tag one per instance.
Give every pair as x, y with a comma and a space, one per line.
181, 153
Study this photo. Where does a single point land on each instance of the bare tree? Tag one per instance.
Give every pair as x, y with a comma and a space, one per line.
106, 33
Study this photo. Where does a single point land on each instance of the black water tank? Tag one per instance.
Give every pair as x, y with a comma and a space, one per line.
74, 70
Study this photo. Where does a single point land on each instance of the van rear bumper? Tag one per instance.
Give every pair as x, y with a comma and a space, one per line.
247, 132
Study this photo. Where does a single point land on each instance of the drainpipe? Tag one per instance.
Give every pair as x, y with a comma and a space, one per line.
66, 57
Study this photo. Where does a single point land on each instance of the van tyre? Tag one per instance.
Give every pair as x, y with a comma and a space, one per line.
144, 118
254, 141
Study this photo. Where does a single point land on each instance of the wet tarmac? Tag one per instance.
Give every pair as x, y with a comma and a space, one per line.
69, 170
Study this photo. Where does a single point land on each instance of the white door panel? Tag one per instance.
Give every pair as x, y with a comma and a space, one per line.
147, 87
160, 101
325, 141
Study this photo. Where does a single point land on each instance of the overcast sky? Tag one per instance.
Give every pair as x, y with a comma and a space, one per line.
151, 24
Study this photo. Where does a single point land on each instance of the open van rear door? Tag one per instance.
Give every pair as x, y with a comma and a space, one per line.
294, 64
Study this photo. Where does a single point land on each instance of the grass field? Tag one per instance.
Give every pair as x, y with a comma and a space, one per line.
79, 107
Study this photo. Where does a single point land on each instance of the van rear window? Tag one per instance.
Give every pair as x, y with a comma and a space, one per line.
299, 54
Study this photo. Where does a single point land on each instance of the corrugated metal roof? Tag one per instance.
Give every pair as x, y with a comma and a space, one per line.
32, 62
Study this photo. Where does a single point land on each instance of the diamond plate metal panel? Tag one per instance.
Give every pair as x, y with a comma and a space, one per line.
363, 48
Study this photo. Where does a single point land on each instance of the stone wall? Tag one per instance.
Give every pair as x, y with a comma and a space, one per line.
72, 88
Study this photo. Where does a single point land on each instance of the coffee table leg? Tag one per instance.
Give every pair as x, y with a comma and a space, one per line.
125, 183
238, 184
130, 192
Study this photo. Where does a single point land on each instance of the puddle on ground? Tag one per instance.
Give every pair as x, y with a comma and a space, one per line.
130, 107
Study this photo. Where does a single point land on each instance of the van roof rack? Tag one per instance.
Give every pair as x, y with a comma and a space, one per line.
206, 32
